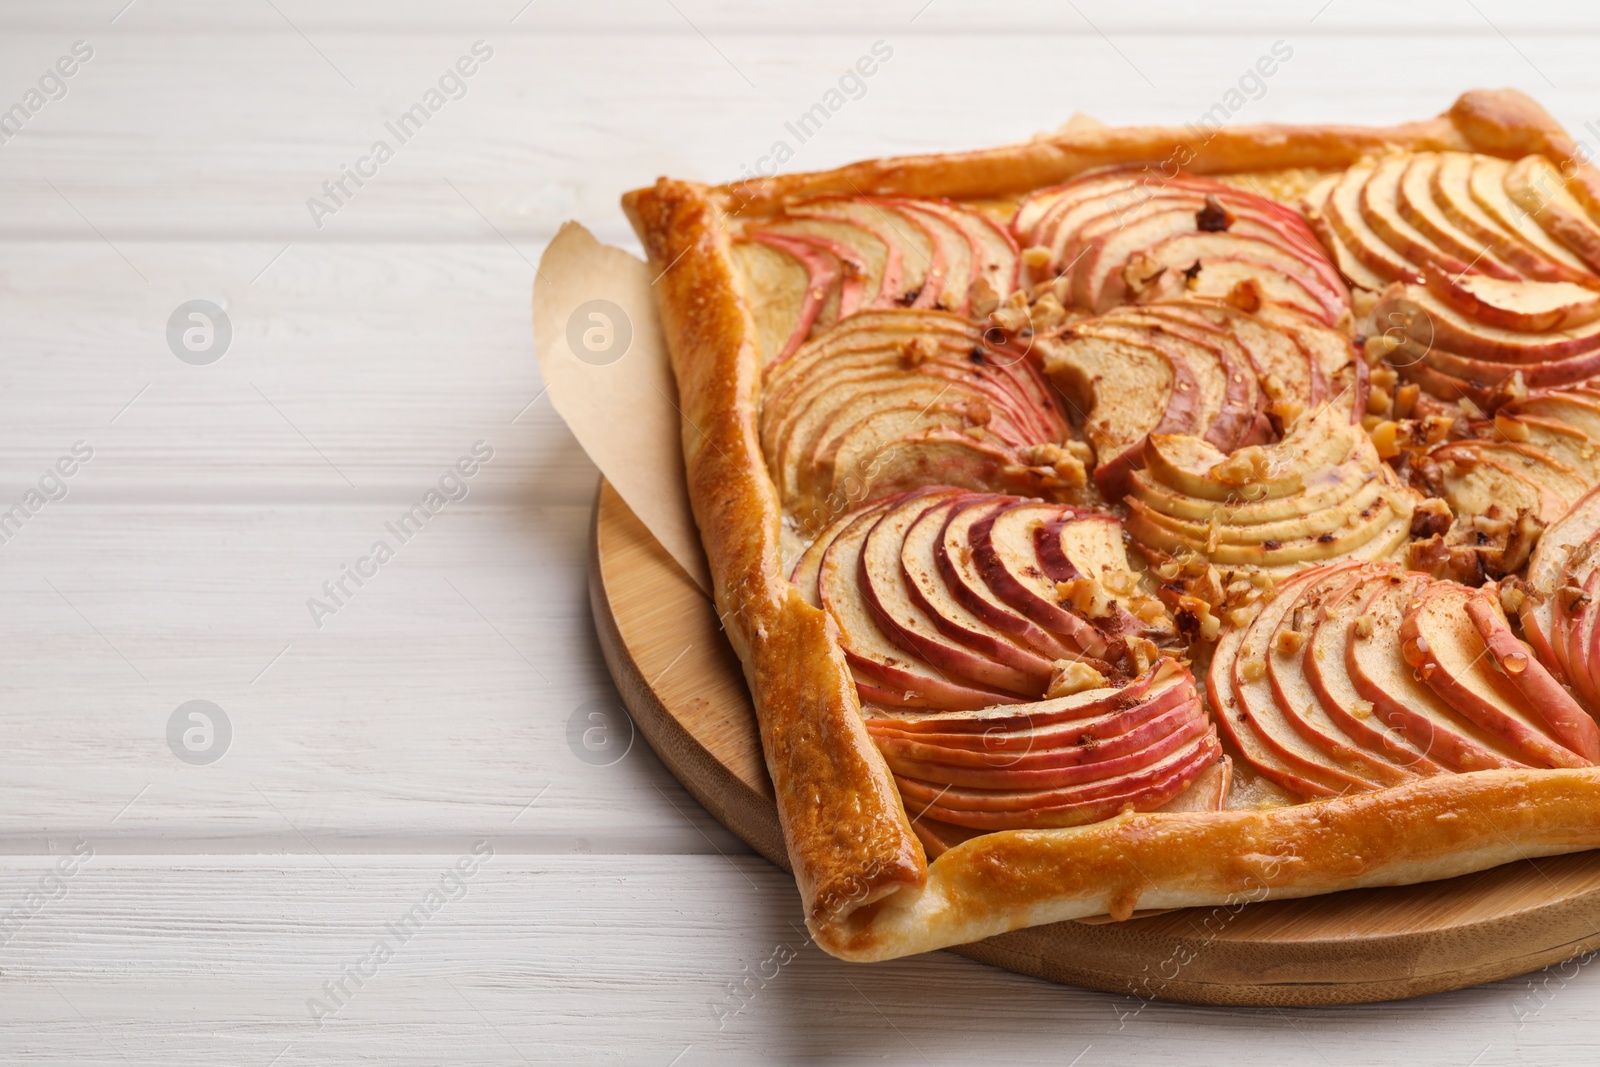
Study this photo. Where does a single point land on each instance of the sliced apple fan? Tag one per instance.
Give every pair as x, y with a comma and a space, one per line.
1015, 669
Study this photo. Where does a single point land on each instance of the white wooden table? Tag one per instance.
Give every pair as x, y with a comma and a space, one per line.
162, 910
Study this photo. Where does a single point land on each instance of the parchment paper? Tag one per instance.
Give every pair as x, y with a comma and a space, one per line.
601, 353
603, 358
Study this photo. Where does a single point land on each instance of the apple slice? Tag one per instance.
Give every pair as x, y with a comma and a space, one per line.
1141, 789
1399, 697
906, 249
1356, 272
1439, 640
1208, 792
1568, 722
1004, 551
930, 593
1531, 306
1237, 725
1198, 371
1342, 210
1535, 186
1545, 574
887, 590
1127, 391
1560, 482
1414, 200
1085, 715
1521, 244
893, 676
1324, 660
1217, 355
1183, 726
992, 253
1568, 407
1288, 668
1433, 324
1262, 713
962, 577
1127, 726
1378, 202
821, 273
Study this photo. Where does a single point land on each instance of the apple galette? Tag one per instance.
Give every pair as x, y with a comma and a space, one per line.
1114, 521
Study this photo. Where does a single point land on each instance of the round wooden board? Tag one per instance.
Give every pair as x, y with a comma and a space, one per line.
686, 692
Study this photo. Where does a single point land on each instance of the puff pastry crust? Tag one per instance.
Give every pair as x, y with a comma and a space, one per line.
869, 889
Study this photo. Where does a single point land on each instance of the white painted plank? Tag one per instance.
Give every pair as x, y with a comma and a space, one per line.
434, 704
623, 959
355, 372
813, 16
236, 130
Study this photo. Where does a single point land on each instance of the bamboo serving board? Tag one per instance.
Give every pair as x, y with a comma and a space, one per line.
685, 690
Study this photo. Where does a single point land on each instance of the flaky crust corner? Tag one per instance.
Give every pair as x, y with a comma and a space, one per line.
869, 892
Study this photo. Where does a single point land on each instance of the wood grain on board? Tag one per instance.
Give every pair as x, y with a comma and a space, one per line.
683, 685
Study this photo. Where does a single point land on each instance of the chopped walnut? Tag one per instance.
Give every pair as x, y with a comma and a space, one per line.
1431, 516
1213, 218
1248, 464
1048, 313
1361, 709
1142, 273
1065, 462
1195, 620
1364, 625
1405, 399
1246, 296
1086, 596
983, 297
1512, 429
1287, 642
916, 351
1012, 316
1252, 669
1036, 257
1071, 676
1511, 388
978, 411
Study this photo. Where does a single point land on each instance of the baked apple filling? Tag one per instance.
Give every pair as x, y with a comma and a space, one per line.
1338, 456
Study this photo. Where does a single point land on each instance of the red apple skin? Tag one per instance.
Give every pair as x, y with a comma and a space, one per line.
1578, 630
1372, 739
943, 609
1025, 798
1036, 714
1002, 617
1543, 693
1041, 814
1538, 749
882, 684
958, 755
1060, 745
1349, 750
822, 272
1184, 730
923, 639
1009, 589
1219, 687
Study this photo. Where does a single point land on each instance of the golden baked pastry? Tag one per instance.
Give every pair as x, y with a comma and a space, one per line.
1116, 521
